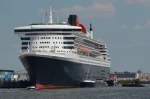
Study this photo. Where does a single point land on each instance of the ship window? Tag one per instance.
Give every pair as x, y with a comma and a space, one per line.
34, 47
69, 38
25, 38
68, 47
24, 43
24, 48
68, 42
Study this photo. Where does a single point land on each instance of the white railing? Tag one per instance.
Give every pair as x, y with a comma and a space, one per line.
81, 58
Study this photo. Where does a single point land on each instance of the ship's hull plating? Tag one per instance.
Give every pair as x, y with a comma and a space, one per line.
59, 72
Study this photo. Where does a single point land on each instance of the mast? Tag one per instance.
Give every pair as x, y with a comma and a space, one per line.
50, 16
91, 31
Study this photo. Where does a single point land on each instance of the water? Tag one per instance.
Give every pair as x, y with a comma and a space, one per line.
78, 93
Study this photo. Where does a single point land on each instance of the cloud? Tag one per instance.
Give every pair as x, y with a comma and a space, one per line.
124, 26
95, 9
141, 2
132, 27
147, 23
138, 27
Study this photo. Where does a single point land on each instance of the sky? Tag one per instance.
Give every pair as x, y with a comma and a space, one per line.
123, 24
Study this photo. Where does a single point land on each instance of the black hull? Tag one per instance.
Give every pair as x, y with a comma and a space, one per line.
59, 72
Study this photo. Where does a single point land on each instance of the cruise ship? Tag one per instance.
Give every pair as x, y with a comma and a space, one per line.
58, 55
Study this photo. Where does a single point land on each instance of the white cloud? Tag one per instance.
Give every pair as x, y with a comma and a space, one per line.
147, 23
130, 27
138, 27
95, 9
142, 2
124, 26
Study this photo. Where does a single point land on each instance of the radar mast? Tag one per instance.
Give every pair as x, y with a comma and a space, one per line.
50, 16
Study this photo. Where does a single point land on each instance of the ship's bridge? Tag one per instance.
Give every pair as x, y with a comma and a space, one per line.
48, 38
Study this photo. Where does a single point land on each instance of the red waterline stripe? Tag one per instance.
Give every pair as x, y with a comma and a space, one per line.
40, 86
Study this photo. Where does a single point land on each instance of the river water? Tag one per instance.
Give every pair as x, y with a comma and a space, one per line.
78, 93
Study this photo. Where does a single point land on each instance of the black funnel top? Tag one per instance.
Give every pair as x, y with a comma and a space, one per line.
72, 19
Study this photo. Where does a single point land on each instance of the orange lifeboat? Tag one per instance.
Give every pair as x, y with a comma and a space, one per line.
84, 49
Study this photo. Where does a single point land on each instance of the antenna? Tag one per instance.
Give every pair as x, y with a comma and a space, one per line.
50, 16
43, 12
91, 31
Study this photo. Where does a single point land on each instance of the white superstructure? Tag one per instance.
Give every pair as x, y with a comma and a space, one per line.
63, 40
